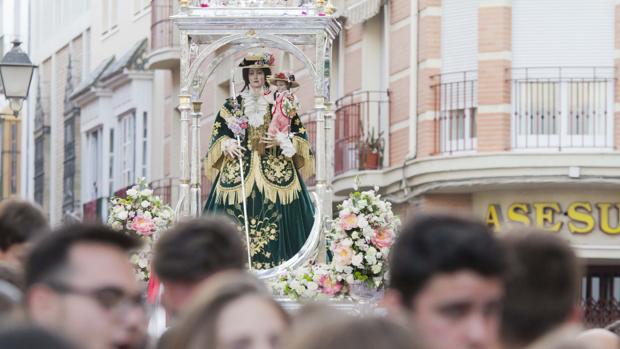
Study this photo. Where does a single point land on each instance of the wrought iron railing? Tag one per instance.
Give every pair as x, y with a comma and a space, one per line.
600, 313
562, 107
163, 32
251, 3
360, 119
456, 109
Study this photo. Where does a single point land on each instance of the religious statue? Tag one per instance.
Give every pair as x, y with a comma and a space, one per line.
280, 213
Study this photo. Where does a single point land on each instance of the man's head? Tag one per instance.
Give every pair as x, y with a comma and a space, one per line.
542, 285
20, 223
81, 284
446, 274
191, 252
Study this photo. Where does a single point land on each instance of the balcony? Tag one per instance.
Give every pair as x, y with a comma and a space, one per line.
165, 52
359, 143
456, 105
562, 108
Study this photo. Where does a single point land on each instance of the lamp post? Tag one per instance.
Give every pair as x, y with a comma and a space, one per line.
16, 74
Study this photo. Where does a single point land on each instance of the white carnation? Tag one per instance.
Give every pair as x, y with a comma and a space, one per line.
376, 269
357, 260
145, 203
132, 193
122, 215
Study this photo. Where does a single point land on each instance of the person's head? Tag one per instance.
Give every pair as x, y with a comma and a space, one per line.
80, 283
614, 327
20, 223
542, 285
28, 337
191, 252
255, 69
282, 85
598, 338
233, 310
446, 277
351, 333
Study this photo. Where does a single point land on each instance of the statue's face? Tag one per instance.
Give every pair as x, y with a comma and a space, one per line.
256, 77
282, 85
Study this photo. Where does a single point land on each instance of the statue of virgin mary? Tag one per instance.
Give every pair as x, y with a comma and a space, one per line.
280, 213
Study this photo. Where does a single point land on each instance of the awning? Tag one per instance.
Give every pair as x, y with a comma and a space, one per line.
358, 11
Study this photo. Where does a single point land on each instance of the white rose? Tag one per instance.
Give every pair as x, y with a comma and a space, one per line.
132, 192
122, 215
357, 260
376, 269
360, 243
371, 260
146, 192
355, 235
312, 286
145, 204
371, 251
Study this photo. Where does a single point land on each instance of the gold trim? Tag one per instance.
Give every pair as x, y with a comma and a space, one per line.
303, 158
213, 161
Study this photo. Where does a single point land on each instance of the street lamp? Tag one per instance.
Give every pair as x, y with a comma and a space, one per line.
16, 74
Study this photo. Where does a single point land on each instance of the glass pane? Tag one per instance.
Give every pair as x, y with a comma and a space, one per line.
596, 288
616, 289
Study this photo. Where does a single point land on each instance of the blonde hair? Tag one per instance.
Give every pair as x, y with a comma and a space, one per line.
197, 327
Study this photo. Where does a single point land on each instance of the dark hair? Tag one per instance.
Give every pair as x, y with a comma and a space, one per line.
197, 328
351, 333
49, 256
246, 77
28, 336
542, 285
194, 250
20, 221
436, 244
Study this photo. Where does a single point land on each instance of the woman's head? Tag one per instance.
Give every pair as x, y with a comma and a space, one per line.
255, 78
328, 329
232, 310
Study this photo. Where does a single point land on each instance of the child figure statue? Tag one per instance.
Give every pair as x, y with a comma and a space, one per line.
285, 104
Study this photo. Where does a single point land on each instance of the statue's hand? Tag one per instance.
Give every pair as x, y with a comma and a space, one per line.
231, 148
268, 141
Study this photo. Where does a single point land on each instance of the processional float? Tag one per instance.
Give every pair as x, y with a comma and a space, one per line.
215, 32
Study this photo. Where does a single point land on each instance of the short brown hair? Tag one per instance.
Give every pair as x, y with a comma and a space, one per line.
193, 250
542, 285
20, 221
351, 333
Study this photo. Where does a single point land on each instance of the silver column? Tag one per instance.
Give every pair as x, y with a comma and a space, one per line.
195, 204
182, 208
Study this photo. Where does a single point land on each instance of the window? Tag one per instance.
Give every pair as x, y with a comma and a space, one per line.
145, 146
111, 164
457, 102
109, 17
13, 160
562, 107
69, 166
140, 7
93, 168
39, 172
128, 147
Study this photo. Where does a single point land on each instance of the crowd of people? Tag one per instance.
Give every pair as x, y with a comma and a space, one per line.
453, 284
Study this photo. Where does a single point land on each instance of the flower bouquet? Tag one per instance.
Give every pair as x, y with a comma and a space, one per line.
143, 215
361, 238
360, 243
312, 281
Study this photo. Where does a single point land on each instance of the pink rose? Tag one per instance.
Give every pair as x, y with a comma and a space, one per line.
142, 225
329, 286
343, 254
383, 238
348, 221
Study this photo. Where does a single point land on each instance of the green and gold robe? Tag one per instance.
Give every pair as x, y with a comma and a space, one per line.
280, 211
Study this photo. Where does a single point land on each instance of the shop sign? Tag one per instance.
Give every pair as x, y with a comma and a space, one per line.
579, 217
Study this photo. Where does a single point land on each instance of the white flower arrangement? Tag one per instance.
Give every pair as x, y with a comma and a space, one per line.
360, 242
361, 238
143, 215
312, 281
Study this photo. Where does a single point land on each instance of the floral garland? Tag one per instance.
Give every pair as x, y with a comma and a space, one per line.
142, 215
359, 241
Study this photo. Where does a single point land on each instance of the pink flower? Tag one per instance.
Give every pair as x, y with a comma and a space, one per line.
329, 286
348, 221
343, 254
142, 225
244, 125
383, 238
